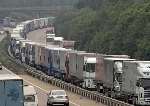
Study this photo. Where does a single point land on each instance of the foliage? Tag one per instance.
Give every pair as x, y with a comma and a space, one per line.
109, 26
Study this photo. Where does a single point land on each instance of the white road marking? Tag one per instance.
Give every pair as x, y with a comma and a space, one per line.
46, 91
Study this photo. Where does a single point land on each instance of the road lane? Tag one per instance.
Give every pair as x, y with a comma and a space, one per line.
44, 88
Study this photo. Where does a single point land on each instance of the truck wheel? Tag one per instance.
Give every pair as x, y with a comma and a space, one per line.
67, 104
49, 105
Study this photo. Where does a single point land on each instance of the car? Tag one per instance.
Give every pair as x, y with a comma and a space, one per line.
0, 66
30, 96
57, 97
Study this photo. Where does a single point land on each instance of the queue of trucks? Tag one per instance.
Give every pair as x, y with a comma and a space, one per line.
117, 76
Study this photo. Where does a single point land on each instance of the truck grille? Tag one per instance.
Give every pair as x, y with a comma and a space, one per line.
147, 95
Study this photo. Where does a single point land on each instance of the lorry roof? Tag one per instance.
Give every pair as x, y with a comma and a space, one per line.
50, 34
29, 90
31, 42
86, 53
36, 19
40, 44
79, 51
125, 59
119, 56
52, 46
139, 61
90, 60
19, 38
13, 35
9, 77
58, 38
25, 40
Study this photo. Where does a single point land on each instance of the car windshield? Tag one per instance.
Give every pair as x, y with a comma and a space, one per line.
58, 93
29, 98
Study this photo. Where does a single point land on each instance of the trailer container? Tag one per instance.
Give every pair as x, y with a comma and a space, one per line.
30, 50
11, 90
23, 51
109, 75
136, 82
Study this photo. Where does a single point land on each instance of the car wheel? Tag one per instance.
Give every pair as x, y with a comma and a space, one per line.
67, 104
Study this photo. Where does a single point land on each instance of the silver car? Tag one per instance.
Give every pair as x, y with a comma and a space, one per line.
57, 97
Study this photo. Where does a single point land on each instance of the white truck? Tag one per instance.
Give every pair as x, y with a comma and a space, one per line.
136, 82
109, 75
30, 96
82, 69
11, 90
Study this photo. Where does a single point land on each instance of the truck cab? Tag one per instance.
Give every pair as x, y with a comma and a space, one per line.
89, 73
30, 96
143, 84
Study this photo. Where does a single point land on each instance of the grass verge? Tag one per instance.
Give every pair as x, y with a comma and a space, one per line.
8, 61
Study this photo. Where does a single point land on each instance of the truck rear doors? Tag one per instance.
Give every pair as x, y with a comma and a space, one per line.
11, 93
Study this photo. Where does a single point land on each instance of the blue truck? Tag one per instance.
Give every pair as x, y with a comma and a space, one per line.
11, 90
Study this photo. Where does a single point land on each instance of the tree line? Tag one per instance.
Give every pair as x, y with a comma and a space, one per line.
109, 26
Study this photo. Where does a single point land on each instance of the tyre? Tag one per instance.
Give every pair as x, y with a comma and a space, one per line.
49, 104
67, 104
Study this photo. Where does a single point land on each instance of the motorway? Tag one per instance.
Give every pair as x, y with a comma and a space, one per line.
43, 88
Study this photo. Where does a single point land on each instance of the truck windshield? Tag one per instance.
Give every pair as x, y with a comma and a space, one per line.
29, 98
145, 82
90, 67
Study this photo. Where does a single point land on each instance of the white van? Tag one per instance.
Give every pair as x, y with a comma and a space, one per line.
30, 96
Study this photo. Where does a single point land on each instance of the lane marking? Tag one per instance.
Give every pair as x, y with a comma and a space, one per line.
46, 91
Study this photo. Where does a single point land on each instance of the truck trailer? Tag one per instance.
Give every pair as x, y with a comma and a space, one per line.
82, 68
11, 90
109, 75
136, 82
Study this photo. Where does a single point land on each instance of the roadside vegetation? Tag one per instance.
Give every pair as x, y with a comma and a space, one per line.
8, 61
109, 26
